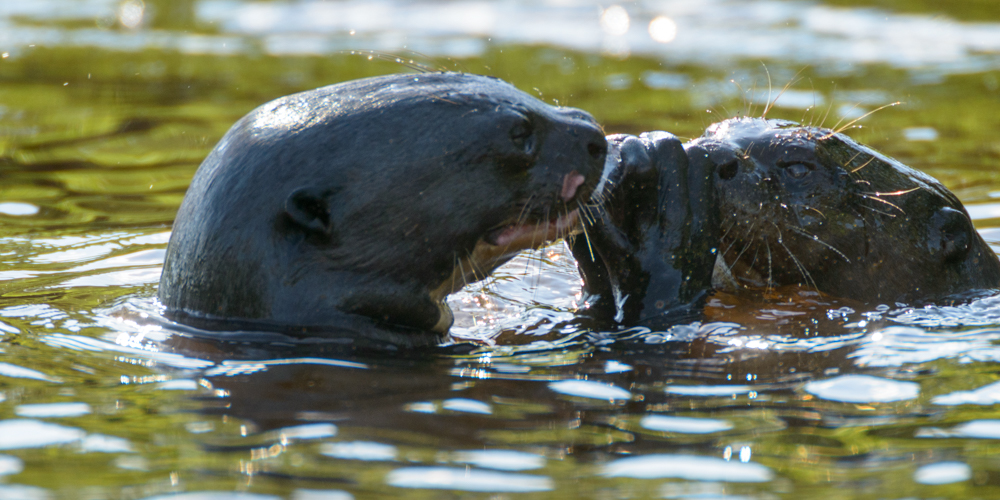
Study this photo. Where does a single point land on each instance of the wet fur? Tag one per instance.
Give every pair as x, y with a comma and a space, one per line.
359, 206
770, 203
646, 254
807, 206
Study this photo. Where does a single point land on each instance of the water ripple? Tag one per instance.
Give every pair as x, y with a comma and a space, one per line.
690, 467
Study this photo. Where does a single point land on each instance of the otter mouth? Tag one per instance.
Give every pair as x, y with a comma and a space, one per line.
528, 235
503, 242
521, 236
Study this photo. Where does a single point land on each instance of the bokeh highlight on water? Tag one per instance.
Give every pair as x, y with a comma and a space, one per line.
107, 107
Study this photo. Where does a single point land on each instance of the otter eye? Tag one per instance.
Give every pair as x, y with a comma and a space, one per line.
522, 134
798, 170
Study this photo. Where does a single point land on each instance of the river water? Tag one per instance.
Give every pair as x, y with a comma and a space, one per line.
108, 107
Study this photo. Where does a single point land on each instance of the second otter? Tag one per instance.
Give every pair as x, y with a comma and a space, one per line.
807, 206
794, 205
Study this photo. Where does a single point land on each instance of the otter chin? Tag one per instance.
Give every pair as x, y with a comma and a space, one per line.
353, 210
810, 207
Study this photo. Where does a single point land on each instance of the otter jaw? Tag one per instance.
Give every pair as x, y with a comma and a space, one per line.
494, 250
497, 248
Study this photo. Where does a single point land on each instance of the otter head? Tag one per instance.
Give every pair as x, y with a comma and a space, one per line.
375, 198
807, 206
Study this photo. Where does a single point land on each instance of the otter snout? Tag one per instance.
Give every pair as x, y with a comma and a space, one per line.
584, 136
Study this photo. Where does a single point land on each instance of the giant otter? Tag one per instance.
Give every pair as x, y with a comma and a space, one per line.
790, 205
807, 206
355, 209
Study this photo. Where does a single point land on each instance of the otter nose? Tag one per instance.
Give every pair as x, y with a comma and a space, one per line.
649, 152
633, 156
717, 159
585, 129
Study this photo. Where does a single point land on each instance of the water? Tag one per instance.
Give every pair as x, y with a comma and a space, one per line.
107, 107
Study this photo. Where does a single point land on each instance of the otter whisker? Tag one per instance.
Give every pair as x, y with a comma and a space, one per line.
726, 233
406, 63
863, 165
743, 94
590, 247
724, 114
522, 216
767, 105
813, 237
584, 211
895, 193
798, 264
534, 248
880, 200
746, 247
843, 117
807, 207
855, 157
458, 264
788, 85
878, 211
753, 262
462, 271
770, 278
856, 120
748, 231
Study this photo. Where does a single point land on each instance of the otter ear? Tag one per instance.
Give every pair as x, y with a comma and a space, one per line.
950, 234
309, 208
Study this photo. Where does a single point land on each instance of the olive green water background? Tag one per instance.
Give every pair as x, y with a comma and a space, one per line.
107, 108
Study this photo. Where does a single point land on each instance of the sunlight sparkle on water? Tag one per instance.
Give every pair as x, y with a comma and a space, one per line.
663, 29
684, 425
986, 395
690, 467
509, 460
590, 389
943, 473
863, 389
17, 208
615, 20
130, 13
359, 450
466, 479
50, 410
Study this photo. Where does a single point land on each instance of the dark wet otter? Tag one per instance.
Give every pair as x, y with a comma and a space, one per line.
649, 246
807, 206
359, 207
793, 205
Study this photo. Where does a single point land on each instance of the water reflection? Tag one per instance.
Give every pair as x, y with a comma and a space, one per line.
863, 389
359, 450
465, 479
943, 473
986, 395
589, 389
16, 434
684, 425
760, 399
10, 465
49, 410
690, 467
711, 32
501, 459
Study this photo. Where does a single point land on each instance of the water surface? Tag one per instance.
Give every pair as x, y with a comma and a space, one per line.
107, 108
